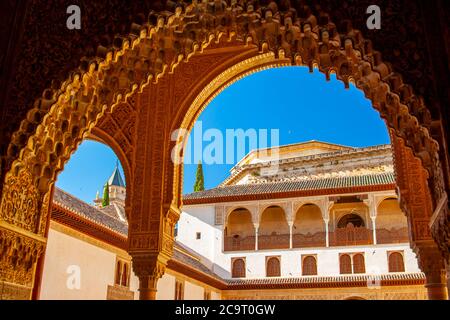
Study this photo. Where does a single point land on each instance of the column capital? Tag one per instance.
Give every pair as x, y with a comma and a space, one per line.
325, 207
149, 268
432, 264
430, 259
372, 205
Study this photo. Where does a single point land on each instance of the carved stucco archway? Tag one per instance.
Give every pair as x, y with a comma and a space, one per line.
138, 67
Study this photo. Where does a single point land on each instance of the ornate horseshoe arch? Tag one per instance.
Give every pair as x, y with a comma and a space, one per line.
136, 65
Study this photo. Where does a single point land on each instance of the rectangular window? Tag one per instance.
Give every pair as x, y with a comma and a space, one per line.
198, 236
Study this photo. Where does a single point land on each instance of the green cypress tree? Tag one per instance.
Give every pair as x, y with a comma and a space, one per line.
199, 180
105, 199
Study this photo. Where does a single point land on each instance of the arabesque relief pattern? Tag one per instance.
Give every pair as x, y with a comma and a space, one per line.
18, 256
415, 201
65, 114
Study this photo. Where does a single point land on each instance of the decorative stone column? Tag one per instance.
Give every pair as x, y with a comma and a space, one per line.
291, 226
256, 225
371, 204
325, 206
255, 212
374, 229
432, 264
327, 232
149, 269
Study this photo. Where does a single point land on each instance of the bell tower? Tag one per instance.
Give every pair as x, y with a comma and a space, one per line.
117, 189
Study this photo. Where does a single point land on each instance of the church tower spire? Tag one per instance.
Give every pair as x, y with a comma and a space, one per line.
116, 188
116, 178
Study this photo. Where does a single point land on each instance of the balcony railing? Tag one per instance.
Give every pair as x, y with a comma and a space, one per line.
233, 243
351, 236
309, 240
392, 236
279, 241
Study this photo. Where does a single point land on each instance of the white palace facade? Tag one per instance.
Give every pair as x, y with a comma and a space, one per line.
325, 225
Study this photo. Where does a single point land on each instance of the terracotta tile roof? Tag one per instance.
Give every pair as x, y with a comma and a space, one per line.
291, 186
191, 259
320, 281
103, 217
112, 209
85, 210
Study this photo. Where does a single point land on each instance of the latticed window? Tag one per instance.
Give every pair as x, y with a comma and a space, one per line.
345, 264
396, 263
238, 268
273, 268
358, 263
179, 290
309, 266
218, 219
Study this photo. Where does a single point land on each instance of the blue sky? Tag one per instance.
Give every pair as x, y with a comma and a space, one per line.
301, 105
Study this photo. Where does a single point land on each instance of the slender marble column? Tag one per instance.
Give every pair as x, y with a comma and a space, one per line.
374, 226
256, 237
291, 225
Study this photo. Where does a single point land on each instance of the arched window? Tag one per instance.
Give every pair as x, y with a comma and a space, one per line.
273, 267
345, 264
118, 272
358, 263
351, 219
179, 290
125, 275
396, 263
238, 268
309, 266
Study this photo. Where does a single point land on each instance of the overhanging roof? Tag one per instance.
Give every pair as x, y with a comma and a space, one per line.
335, 185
